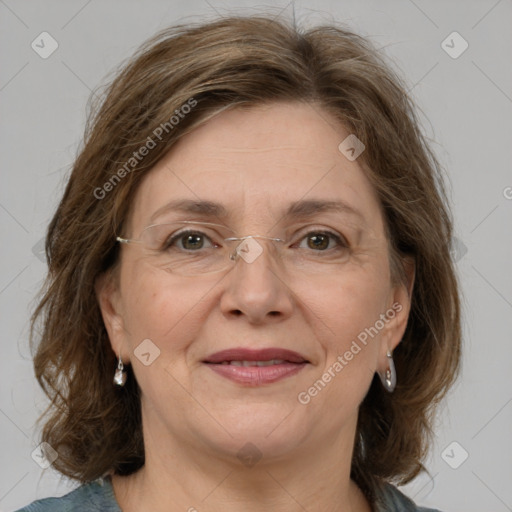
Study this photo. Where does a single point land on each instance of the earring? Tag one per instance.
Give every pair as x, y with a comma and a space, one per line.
120, 375
388, 378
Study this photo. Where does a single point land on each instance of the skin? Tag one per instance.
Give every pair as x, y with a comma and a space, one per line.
255, 162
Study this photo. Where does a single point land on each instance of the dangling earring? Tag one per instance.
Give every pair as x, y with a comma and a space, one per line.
388, 378
120, 375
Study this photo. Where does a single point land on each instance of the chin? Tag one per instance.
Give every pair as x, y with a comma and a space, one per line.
251, 448
257, 431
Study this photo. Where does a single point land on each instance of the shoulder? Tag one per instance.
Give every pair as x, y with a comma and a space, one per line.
390, 499
91, 497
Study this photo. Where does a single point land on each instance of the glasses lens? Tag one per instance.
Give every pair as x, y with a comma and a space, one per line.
312, 253
188, 248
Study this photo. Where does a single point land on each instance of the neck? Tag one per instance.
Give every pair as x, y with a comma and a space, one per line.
181, 477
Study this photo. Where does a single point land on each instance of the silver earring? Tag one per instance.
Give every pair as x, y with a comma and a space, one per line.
120, 375
388, 378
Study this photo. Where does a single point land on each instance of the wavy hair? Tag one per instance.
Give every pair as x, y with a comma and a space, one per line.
235, 62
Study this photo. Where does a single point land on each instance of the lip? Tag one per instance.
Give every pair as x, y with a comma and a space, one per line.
256, 375
246, 354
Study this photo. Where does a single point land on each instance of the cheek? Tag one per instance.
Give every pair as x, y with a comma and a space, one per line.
344, 326
344, 322
158, 307
169, 314
343, 309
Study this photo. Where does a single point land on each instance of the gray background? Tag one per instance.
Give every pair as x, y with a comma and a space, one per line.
467, 107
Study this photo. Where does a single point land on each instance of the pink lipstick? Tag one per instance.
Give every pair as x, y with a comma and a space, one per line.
256, 367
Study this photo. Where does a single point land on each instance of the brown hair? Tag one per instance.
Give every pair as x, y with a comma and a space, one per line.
228, 63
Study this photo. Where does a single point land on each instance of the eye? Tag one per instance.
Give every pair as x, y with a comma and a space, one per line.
189, 240
321, 240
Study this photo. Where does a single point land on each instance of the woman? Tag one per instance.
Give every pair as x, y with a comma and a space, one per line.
254, 243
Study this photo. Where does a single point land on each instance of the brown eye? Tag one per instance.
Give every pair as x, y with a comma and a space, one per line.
194, 240
186, 240
320, 241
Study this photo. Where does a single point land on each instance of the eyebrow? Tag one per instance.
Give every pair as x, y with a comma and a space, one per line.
298, 209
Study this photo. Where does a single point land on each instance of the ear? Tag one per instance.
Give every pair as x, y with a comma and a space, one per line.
398, 312
109, 300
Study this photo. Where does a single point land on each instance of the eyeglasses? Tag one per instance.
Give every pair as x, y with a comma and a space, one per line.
193, 248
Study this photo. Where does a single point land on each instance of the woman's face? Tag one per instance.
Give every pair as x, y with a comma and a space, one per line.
340, 320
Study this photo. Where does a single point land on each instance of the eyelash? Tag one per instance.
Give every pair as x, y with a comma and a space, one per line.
340, 240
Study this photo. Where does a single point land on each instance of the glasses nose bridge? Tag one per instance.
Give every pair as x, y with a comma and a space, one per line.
235, 254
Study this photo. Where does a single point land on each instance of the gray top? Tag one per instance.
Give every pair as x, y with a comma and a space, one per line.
98, 496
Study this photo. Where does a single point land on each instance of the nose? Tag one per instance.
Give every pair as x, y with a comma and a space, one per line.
255, 286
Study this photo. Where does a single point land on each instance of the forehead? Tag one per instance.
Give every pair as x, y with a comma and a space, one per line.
256, 164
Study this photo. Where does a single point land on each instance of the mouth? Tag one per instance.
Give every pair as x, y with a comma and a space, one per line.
245, 355
256, 367
254, 363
